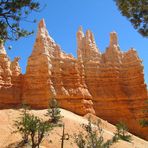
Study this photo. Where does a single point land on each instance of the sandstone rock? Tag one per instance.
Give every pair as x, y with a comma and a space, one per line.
5, 72
52, 73
15, 68
116, 82
10, 83
110, 85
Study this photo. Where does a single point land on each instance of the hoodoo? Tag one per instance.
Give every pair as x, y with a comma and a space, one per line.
10, 80
52, 73
110, 85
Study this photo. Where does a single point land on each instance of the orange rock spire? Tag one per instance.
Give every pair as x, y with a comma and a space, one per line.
110, 85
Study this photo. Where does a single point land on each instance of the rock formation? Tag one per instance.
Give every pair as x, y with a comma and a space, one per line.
110, 85
10, 80
115, 81
52, 73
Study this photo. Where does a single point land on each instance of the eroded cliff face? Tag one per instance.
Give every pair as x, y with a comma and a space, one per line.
110, 85
115, 81
52, 73
10, 80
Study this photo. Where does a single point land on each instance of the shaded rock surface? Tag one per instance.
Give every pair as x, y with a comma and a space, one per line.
110, 85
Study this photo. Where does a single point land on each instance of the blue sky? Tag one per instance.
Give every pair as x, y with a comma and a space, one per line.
63, 17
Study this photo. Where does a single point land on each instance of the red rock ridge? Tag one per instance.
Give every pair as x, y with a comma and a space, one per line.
52, 73
110, 85
115, 81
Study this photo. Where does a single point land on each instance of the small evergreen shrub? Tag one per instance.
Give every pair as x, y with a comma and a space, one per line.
93, 136
54, 111
121, 132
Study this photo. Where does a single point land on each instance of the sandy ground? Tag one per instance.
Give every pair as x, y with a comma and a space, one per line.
72, 125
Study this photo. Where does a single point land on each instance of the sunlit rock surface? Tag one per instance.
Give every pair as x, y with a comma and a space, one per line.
110, 84
10, 80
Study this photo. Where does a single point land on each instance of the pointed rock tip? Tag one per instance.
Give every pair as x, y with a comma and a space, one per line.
89, 32
80, 29
42, 24
17, 59
42, 29
113, 33
90, 35
80, 33
2, 48
132, 50
113, 38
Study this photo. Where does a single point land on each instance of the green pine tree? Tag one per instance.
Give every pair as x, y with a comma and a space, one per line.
92, 137
144, 122
122, 132
54, 111
136, 11
12, 14
32, 128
